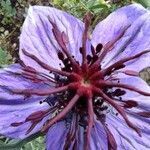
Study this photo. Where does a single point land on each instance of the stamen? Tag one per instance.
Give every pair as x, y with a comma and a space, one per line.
35, 118
29, 76
31, 127
48, 78
89, 58
120, 62
60, 37
62, 114
144, 114
34, 79
75, 77
118, 92
29, 69
90, 122
107, 47
125, 86
87, 22
93, 50
72, 133
61, 55
99, 47
45, 66
130, 104
37, 76
131, 73
16, 124
119, 109
39, 92
38, 115
96, 75
47, 33
112, 145
21, 63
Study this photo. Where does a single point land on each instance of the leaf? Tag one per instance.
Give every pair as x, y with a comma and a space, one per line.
37, 144
145, 3
98, 6
4, 57
17, 145
7, 11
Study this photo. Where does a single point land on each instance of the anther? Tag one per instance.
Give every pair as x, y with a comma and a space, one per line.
99, 47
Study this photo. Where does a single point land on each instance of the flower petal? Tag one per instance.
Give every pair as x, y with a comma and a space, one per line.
143, 101
37, 37
140, 84
128, 137
110, 28
98, 137
135, 40
17, 107
55, 138
18, 113
58, 134
12, 78
125, 137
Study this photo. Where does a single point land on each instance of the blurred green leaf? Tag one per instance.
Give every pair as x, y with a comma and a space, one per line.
98, 6
4, 57
102, 1
18, 145
7, 11
145, 3
37, 144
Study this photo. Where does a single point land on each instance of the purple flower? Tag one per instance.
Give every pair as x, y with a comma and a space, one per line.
83, 92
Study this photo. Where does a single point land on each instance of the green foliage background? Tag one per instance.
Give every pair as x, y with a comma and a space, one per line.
12, 15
